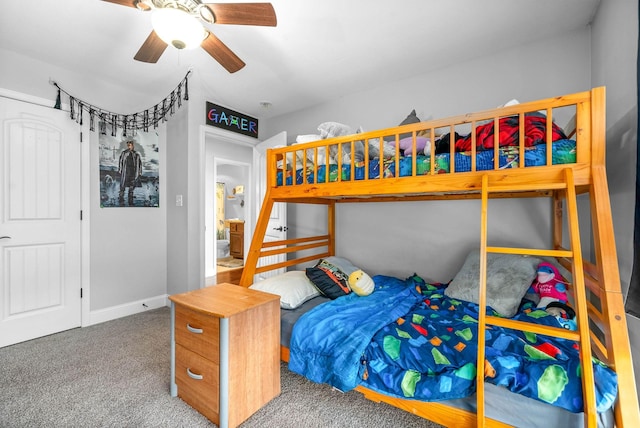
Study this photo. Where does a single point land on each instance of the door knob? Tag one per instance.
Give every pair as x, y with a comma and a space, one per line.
281, 228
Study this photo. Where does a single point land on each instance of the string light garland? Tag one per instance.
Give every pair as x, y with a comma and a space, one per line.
129, 123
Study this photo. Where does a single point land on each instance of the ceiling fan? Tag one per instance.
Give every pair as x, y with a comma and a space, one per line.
180, 23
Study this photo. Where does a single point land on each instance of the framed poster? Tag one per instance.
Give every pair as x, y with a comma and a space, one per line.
129, 170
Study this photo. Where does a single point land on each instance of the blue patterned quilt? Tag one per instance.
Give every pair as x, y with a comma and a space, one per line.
407, 339
562, 152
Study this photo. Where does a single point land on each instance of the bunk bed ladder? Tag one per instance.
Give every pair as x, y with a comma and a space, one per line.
582, 336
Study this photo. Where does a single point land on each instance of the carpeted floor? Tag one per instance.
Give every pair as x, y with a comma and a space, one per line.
116, 374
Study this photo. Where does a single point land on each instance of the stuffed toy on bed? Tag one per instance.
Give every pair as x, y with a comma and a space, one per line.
361, 283
552, 289
549, 285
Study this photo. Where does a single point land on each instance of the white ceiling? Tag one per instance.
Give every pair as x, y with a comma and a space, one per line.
320, 50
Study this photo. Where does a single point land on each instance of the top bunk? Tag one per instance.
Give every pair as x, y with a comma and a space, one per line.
509, 145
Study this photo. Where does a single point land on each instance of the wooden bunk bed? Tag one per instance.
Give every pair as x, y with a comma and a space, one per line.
303, 174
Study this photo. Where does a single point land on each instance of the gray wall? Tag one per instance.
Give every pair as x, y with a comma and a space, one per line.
615, 41
176, 261
385, 234
614, 56
126, 243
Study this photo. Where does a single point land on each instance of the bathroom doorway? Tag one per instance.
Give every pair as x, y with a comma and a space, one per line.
231, 178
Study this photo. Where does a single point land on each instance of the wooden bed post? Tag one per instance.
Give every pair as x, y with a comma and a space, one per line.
612, 300
580, 296
331, 227
482, 303
612, 303
256, 242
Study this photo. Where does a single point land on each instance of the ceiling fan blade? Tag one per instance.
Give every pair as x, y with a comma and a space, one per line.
221, 53
151, 49
244, 13
129, 3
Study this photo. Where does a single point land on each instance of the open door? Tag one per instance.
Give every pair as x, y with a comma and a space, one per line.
277, 228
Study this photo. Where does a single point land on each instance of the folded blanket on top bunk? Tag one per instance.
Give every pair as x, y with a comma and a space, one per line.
535, 128
407, 339
563, 152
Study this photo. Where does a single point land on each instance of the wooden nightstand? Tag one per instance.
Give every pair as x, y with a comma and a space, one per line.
225, 351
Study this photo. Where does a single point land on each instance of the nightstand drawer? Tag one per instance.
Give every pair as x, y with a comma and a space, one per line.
198, 381
198, 332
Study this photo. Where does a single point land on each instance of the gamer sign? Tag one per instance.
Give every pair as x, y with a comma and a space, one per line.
231, 120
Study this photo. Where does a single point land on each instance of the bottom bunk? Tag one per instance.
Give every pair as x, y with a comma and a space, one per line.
411, 345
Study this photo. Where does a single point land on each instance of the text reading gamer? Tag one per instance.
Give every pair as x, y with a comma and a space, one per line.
231, 120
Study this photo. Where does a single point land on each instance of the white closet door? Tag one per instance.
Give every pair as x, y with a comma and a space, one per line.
40, 228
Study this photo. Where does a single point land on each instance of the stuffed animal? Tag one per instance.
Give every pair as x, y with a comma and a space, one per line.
549, 285
361, 283
552, 289
564, 314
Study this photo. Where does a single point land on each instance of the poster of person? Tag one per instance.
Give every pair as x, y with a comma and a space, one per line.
129, 170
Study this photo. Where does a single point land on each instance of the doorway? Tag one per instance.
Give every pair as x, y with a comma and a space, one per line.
227, 160
220, 147
231, 178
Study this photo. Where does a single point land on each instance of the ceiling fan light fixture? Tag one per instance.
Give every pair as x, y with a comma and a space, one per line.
178, 28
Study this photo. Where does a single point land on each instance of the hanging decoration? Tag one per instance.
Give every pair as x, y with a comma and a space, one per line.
58, 101
129, 123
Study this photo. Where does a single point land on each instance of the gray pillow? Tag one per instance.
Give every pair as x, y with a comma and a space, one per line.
411, 118
509, 276
343, 264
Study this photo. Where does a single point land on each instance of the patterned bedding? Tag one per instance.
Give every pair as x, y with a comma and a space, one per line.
563, 152
407, 339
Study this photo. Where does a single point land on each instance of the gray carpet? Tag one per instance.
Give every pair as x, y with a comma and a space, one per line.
116, 374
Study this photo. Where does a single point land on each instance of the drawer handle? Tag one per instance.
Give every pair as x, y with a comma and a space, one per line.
194, 330
192, 375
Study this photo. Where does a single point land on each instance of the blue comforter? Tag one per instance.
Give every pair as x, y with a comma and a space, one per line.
407, 339
328, 341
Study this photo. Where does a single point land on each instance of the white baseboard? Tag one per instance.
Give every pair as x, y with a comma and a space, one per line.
131, 308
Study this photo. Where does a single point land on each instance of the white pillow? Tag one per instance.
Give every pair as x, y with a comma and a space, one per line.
293, 287
307, 138
334, 129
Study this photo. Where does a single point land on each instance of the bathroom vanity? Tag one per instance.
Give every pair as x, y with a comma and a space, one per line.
236, 238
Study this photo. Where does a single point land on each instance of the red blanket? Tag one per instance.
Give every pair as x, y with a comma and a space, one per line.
535, 129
